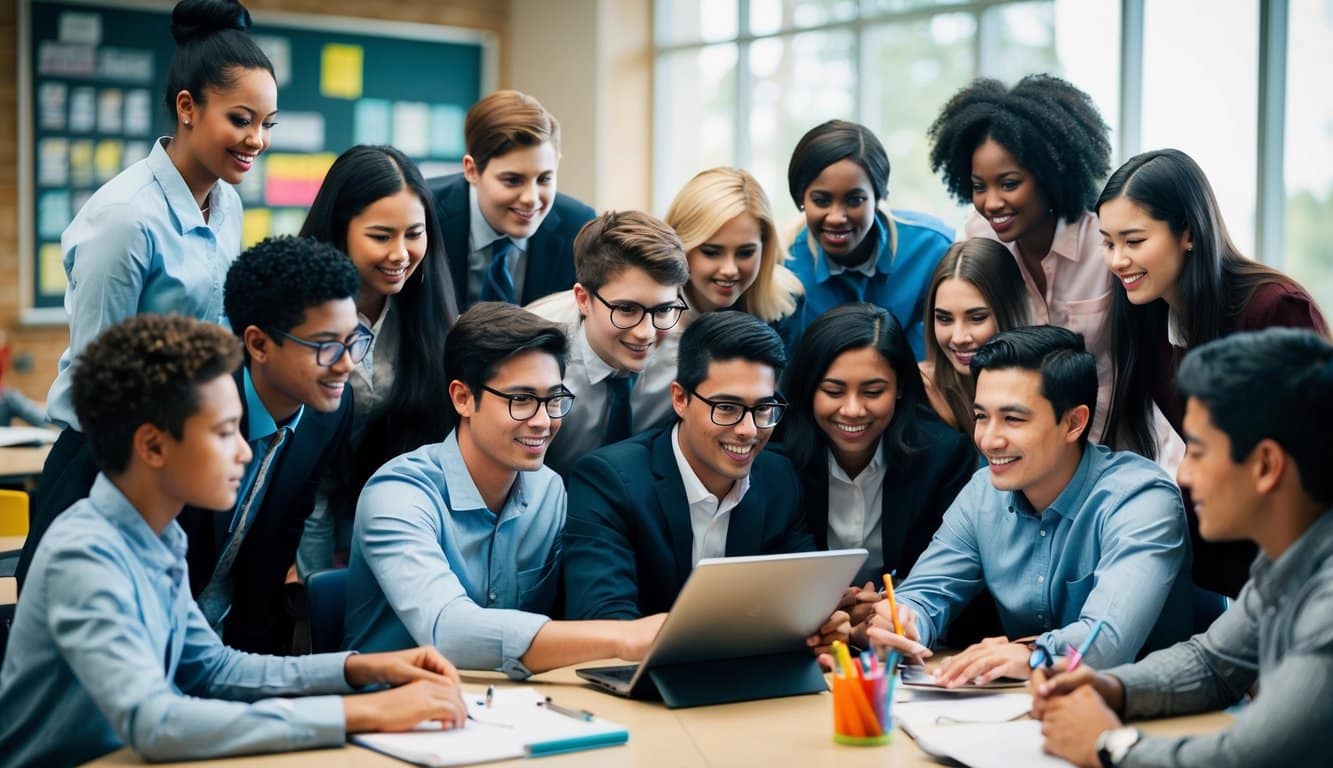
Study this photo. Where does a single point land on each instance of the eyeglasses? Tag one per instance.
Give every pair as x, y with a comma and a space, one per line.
523, 406
328, 353
628, 314
725, 413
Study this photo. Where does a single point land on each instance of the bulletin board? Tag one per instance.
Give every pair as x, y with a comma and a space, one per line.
91, 79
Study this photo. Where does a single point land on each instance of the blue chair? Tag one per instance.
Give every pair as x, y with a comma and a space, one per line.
327, 593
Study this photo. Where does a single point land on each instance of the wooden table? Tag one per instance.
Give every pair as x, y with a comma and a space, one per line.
794, 731
11, 544
18, 465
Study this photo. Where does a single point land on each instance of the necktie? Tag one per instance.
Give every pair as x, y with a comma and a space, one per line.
499, 285
619, 413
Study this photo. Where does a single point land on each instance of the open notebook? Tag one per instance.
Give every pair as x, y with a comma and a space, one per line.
987, 745
515, 725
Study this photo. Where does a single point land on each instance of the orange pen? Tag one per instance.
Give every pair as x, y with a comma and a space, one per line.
893, 604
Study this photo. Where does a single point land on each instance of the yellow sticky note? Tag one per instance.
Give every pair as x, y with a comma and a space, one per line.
106, 159
340, 71
52, 280
256, 224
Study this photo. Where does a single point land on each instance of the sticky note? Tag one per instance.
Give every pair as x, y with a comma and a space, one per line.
340, 71
256, 224
51, 279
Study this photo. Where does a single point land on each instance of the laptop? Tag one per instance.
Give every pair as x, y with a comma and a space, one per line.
737, 631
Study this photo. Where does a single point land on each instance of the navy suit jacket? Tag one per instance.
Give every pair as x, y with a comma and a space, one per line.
917, 491
550, 256
259, 620
628, 540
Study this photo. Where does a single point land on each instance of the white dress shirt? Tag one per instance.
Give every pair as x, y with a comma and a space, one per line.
709, 517
585, 376
480, 237
856, 513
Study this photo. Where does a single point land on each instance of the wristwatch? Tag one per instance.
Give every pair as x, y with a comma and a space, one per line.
1113, 745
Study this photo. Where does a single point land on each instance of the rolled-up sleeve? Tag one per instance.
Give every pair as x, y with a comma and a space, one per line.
95, 624
1144, 546
401, 537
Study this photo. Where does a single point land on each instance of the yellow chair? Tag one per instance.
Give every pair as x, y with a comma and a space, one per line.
13, 513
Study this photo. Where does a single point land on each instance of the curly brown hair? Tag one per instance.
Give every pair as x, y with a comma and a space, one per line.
146, 370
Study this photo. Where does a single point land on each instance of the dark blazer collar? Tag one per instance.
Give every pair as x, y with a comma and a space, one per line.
671, 502
456, 221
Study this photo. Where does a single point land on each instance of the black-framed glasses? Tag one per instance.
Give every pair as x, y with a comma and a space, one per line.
727, 413
628, 314
523, 406
328, 353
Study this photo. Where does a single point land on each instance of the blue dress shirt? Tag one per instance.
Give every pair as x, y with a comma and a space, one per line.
108, 648
1112, 546
140, 244
910, 246
431, 565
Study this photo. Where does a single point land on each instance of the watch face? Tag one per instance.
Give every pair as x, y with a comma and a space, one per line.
1119, 741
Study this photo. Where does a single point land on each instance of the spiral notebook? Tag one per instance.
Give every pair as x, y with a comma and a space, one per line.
517, 724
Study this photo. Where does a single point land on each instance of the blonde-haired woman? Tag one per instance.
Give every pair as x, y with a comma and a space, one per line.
726, 223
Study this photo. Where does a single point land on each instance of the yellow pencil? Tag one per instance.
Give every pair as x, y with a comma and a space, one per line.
893, 604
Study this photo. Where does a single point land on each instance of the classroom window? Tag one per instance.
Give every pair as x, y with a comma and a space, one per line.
1308, 227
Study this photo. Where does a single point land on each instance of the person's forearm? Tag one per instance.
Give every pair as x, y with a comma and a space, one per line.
561, 643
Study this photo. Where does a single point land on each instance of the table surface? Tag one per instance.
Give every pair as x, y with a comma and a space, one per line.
10, 544
795, 731
23, 462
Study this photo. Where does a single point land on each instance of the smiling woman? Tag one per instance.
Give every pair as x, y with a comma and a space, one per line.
160, 235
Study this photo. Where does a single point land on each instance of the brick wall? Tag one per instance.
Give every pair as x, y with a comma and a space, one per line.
45, 343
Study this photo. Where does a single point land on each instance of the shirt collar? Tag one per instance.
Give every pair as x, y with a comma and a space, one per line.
259, 424
695, 492
462, 490
1070, 500
161, 552
596, 368
837, 472
826, 267
1065, 241
481, 233
1274, 578
185, 211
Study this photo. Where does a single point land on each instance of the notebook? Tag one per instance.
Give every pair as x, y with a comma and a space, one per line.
987, 745
517, 724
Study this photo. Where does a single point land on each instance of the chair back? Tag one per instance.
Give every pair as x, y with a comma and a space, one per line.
327, 593
13, 513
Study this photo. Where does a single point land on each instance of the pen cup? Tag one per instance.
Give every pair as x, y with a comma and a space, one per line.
861, 710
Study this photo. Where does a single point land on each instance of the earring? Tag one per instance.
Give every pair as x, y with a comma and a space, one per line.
187, 121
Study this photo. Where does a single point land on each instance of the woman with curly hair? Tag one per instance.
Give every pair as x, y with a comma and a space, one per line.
726, 223
1181, 283
1029, 159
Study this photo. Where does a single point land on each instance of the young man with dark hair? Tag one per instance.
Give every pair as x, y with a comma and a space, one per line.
619, 319
644, 512
457, 544
108, 648
1062, 533
291, 301
1257, 469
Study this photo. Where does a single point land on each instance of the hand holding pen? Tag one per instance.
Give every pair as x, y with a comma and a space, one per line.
893, 627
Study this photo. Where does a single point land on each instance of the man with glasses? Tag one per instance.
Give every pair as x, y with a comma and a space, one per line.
292, 303
457, 544
644, 512
619, 318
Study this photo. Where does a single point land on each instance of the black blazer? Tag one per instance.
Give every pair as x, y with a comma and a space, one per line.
550, 256
917, 491
259, 620
628, 540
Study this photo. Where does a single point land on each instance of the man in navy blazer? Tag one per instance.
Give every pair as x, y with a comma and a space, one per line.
644, 511
508, 234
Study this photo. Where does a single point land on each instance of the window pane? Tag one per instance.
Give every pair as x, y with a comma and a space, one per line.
769, 16
1200, 95
1308, 251
930, 60
894, 6
798, 82
694, 119
692, 21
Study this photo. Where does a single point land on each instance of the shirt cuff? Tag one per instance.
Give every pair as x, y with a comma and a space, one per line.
318, 721
517, 639
327, 672
1142, 697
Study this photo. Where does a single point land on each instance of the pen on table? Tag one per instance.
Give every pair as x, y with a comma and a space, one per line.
577, 714
490, 696
1077, 656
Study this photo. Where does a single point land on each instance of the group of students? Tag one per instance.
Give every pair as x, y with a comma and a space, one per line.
520, 489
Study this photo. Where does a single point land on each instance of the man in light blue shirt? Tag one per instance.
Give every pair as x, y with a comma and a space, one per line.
1063, 534
108, 648
457, 544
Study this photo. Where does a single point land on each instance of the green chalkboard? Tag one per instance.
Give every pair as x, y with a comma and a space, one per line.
91, 77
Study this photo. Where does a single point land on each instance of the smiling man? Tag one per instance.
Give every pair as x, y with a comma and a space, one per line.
457, 544
1062, 533
508, 233
1256, 468
644, 512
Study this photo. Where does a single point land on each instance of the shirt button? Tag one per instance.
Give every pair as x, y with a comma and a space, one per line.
491, 597
1041, 579
1043, 532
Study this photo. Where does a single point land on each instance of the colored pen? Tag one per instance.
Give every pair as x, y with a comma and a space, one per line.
893, 604
1077, 656
577, 714
1039, 658
490, 695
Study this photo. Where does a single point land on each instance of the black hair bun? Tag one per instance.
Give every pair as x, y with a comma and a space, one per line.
196, 19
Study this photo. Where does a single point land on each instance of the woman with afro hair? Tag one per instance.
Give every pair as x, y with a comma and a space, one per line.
1029, 159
